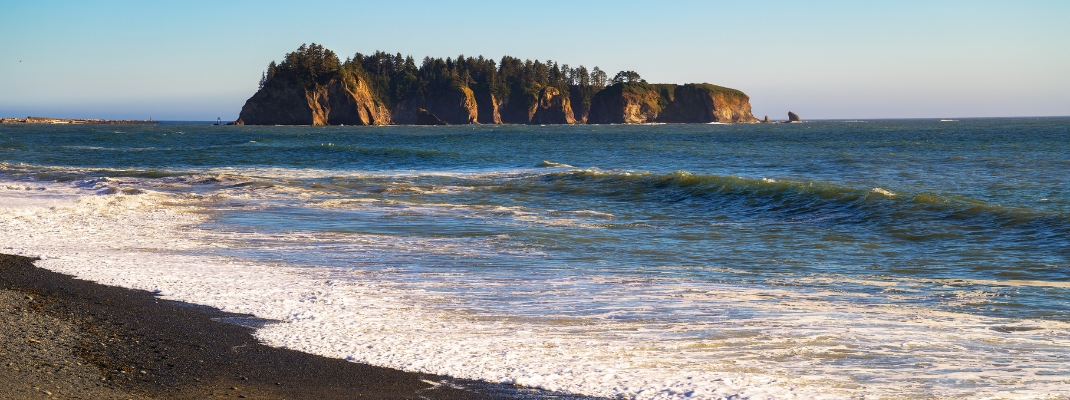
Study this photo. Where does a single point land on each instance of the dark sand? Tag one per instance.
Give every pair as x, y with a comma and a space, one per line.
62, 337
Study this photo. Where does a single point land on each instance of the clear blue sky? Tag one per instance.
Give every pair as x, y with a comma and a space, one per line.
198, 60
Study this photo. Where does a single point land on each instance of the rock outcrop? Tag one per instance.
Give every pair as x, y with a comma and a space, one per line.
352, 103
487, 105
581, 104
632, 103
553, 108
348, 100
793, 117
518, 108
311, 86
625, 103
705, 103
425, 118
456, 107
337, 101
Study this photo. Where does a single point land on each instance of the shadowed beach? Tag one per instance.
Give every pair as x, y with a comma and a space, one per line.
69, 338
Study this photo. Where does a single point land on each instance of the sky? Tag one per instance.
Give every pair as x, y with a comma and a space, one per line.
199, 60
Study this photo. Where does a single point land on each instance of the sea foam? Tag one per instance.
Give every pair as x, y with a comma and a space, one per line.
752, 342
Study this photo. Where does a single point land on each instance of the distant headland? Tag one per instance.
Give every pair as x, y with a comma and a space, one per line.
311, 86
47, 120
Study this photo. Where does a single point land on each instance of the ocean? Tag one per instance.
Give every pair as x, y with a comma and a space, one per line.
827, 259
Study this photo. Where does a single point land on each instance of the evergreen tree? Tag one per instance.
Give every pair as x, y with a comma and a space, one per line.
396, 78
598, 78
627, 77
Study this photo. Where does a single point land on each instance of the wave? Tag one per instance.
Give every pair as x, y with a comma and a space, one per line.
551, 164
909, 216
786, 200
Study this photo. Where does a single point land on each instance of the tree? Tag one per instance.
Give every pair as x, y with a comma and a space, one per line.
309, 64
627, 77
393, 78
598, 78
267, 75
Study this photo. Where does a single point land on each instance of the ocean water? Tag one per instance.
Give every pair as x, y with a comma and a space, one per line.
829, 259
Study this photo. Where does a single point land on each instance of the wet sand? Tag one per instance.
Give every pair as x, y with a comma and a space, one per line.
62, 337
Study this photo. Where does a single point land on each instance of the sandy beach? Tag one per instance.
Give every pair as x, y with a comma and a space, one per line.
68, 338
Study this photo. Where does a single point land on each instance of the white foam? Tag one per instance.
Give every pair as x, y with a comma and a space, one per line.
884, 192
751, 341
22, 195
551, 164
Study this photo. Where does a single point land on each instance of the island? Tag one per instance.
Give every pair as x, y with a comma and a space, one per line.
312, 86
58, 121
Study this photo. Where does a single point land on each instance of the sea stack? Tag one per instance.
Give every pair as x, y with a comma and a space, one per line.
793, 117
766, 120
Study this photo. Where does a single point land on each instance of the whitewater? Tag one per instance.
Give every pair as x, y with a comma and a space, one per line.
819, 260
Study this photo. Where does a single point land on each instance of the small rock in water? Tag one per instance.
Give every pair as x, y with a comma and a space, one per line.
793, 117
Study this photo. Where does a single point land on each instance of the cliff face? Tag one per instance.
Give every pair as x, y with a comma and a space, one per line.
338, 101
553, 108
702, 103
625, 103
517, 109
350, 101
312, 86
632, 103
580, 109
457, 107
488, 105
425, 118
280, 104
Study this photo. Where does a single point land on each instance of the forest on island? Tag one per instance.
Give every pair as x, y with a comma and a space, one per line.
394, 78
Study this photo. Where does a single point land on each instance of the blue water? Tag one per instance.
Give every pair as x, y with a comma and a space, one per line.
498, 212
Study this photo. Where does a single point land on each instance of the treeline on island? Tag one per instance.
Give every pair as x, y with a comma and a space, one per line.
312, 86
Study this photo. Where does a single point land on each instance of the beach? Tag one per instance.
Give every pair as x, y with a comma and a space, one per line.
68, 338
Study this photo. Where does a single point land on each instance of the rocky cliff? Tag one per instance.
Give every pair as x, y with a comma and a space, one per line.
312, 86
456, 107
632, 103
339, 100
425, 118
580, 102
704, 103
625, 103
488, 105
518, 108
349, 101
553, 107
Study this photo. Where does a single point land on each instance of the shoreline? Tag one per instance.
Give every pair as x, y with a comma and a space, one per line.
74, 121
73, 338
